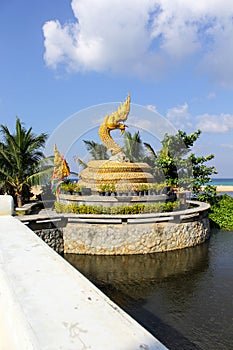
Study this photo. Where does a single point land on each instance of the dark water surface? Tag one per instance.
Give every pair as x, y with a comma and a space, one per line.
184, 297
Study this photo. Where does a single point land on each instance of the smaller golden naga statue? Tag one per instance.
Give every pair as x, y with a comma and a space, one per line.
112, 122
61, 168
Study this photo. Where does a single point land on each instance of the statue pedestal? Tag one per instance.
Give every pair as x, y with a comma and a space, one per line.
120, 174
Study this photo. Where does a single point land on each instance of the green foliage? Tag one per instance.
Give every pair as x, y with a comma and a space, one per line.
188, 140
70, 187
20, 153
221, 212
107, 188
97, 150
143, 187
133, 147
207, 194
183, 170
118, 210
202, 173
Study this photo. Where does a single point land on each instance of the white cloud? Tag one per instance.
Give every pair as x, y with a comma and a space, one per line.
211, 96
218, 59
182, 119
180, 116
144, 124
143, 37
227, 145
152, 108
215, 123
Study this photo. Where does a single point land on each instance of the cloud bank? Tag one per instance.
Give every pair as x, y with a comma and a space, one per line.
210, 123
144, 38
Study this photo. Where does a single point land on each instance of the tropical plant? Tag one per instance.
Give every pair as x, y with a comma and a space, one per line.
70, 187
107, 188
133, 147
97, 150
181, 169
20, 153
202, 177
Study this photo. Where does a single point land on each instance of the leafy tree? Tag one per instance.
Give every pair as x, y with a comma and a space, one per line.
201, 176
183, 169
20, 153
173, 160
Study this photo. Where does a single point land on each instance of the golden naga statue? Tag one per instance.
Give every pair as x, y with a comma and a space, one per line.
112, 122
118, 170
61, 167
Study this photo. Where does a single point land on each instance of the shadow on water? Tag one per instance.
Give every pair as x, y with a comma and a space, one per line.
174, 295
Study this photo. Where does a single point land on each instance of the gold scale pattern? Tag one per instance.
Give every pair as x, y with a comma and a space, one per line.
101, 172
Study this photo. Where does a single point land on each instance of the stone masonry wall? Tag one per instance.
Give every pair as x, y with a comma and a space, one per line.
53, 237
111, 239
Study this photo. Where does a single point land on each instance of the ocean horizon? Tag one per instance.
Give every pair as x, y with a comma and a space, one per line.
221, 182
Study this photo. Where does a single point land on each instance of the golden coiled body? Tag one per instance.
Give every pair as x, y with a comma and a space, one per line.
112, 122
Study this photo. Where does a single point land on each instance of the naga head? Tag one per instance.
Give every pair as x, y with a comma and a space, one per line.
122, 127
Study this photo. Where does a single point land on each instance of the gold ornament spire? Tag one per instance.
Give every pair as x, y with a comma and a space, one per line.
61, 167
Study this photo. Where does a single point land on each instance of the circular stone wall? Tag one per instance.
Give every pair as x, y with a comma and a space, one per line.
136, 234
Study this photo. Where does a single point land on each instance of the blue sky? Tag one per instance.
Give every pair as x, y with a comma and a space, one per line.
59, 57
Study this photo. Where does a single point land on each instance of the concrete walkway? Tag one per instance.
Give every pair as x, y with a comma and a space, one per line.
46, 304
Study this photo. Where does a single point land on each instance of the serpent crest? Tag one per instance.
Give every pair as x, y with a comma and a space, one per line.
112, 122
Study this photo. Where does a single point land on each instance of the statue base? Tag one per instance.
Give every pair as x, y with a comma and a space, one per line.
120, 174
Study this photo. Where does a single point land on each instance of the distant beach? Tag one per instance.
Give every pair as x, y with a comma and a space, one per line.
222, 188
223, 185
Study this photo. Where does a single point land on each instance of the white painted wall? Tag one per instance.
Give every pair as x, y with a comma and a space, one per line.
46, 304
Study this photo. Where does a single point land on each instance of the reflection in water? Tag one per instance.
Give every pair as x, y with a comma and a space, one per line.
182, 297
136, 275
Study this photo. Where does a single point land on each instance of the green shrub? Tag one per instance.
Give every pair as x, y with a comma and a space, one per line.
107, 188
70, 187
119, 210
221, 212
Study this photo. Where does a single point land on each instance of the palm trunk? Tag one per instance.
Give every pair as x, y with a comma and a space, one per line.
19, 200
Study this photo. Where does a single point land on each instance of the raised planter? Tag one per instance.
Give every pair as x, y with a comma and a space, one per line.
136, 234
114, 200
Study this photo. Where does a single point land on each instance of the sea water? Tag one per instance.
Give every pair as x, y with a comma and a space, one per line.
221, 182
183, 297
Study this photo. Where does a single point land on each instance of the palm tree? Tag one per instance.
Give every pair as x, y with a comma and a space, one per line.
97, 150
20, 154
133, 147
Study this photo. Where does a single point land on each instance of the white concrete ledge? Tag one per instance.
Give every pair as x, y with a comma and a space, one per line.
46, 304
6, 205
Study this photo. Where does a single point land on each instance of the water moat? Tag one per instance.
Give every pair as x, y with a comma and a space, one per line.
183, 297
